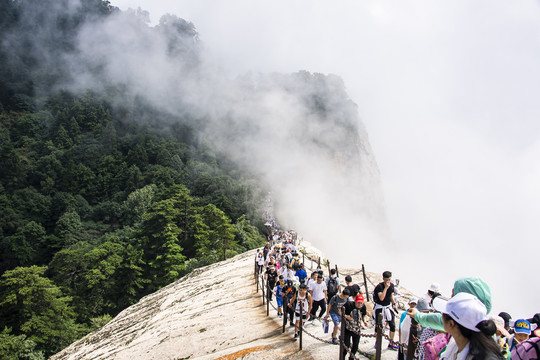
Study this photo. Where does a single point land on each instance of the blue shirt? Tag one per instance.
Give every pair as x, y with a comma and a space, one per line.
279, 294
302, 274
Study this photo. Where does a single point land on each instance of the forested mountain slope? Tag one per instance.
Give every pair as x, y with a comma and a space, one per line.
127, 160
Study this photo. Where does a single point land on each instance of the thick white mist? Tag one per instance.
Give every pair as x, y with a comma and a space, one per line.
449, 96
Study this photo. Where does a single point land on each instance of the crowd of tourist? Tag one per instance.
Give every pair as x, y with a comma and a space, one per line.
459, 327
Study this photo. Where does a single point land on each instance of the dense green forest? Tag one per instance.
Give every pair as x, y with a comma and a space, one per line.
100, 203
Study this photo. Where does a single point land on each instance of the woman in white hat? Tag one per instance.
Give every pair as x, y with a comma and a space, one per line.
465, 318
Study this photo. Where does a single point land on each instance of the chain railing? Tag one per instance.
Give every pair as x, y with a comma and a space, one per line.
344, 349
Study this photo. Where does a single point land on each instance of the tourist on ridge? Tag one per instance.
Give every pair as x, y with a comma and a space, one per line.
278, 290
319, 295
354, 289
288, 292
384, 301
287, 273
354, 321
405, 327
301, 274
271, 276
522, 331
434, 290
313, 278
471, 285
260, 262
332, 284
465, 319
501, 335
425, 333
507, 318
535, 325
334, 311
302, 297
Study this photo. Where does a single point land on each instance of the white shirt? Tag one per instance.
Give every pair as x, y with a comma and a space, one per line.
287, 274
317, 290
451, 352
405, 329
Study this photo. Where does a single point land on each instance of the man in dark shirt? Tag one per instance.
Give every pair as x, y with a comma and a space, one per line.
334, 311
354, 289
271, 276
288, 292
354, 315
384, 300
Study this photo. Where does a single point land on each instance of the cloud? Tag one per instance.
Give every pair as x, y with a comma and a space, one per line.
448, 93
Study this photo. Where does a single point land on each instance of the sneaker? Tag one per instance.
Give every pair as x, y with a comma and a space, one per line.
295, 335
291, 325
334, 341
393, 347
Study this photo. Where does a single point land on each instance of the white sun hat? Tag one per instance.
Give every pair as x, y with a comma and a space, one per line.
465, 309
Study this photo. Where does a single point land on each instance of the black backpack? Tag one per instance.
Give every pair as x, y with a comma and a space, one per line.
332, 285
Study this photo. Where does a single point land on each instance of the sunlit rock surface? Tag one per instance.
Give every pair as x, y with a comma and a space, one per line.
212, 313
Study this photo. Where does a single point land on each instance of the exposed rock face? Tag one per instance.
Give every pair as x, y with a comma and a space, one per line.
212, 313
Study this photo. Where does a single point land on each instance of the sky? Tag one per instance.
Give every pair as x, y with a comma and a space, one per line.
448, 93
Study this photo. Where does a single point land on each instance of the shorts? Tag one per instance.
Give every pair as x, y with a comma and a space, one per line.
298, 316
279, 302
335, 318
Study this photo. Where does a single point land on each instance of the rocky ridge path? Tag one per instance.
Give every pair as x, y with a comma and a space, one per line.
212, 313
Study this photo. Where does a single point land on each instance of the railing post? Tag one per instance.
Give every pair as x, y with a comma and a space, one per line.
365, 281
328, 266
342, 335
378, 341
285, 311
337, 271
303, 257
262, 287
268, 298
411, 345
301, 322
320, 262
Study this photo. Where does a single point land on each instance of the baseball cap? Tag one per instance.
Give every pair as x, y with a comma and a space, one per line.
422, 305
535, 319
465, 309
522, 326
435, 287
506, 317
359, 298
413, 300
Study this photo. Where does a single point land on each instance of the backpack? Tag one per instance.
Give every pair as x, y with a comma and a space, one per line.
527, 350
332, 285
435, 345
295, 264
